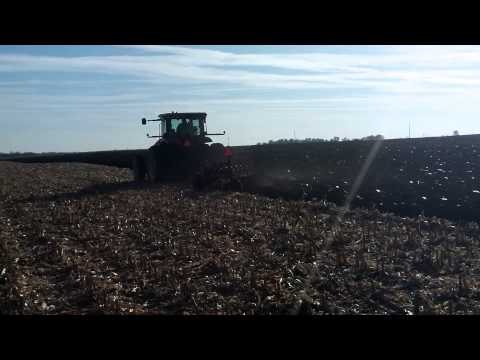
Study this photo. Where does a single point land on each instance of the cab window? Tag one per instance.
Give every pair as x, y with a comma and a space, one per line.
196, 126
175, 123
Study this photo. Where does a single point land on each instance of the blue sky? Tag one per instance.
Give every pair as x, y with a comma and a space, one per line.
79, 98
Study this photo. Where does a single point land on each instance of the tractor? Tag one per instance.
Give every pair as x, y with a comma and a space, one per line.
183, 152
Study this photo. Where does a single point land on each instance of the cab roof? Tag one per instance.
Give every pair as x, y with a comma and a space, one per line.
175, 115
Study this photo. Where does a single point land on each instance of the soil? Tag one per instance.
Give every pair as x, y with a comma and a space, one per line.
82, 239
428, 176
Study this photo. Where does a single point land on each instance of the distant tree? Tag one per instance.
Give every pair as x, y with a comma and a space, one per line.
303, 141
373, 137
456, 133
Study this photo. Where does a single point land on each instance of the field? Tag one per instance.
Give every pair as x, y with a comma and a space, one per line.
429, 176
80, 239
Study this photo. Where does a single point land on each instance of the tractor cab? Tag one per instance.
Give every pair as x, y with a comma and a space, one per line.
181, 128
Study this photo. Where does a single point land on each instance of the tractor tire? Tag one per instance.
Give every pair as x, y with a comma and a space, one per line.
139, 170
152, 168
198, 182
217, 148
217, 152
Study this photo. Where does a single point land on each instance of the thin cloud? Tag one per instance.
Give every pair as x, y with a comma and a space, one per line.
397, 68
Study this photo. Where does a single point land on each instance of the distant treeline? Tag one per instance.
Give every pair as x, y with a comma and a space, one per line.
334, 139
316, 140
18, 154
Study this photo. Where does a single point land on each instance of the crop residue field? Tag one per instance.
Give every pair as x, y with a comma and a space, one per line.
79, 239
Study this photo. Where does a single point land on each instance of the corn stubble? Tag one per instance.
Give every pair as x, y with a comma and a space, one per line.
79, 239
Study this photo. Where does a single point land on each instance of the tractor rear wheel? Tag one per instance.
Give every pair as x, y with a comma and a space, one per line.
216, 153
198, 182
139, 170
152, 168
